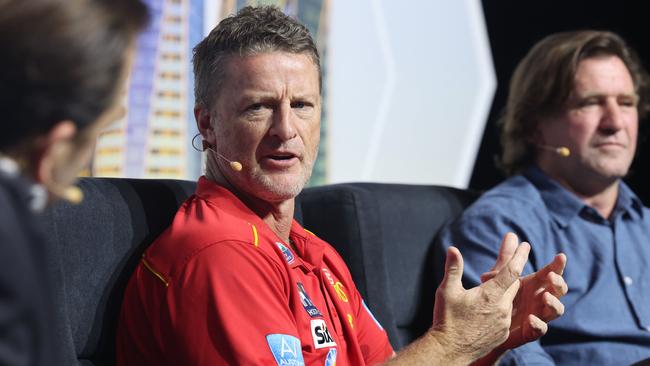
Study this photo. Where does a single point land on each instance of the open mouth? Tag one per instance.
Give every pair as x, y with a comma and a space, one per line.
281, 160
282, 157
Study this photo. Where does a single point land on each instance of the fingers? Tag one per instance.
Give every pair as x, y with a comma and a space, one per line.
488, 276
511, 272
550, 277
556, 266
534, 328
556, 285
553, 307
508, 247
453, 269
559, 263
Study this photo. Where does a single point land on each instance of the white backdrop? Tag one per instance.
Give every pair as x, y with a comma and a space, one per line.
410, 88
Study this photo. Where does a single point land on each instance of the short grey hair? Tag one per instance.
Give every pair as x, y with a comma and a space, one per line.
253, 30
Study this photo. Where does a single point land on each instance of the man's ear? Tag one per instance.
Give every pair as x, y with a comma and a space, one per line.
202, 116
48, 150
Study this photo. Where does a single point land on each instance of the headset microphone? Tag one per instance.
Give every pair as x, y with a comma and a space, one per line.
234, 165
563, 151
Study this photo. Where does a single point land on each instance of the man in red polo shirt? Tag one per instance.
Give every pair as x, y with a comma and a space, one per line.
235, 280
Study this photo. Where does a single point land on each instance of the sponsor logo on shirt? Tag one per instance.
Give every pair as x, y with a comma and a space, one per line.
350, 320
331, 358
285, 349
372, 316
338, 286
309, 306
286, 252
328, 275
340, 292
321, 334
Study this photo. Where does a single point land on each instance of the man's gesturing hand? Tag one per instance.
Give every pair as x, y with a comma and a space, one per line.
471, 323
537, 301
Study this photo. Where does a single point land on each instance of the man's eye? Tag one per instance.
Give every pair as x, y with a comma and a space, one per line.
255, 107
588, 102
627, 102
298, 105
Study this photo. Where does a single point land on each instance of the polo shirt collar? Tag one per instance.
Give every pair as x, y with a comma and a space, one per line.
628, 202
231, 204
564, 205
226, 201
313, 257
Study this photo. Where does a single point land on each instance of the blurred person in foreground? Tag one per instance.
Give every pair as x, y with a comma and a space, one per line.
63, 63
236, 280
569, 135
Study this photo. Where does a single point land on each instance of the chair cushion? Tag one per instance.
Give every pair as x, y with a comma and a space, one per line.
93, 249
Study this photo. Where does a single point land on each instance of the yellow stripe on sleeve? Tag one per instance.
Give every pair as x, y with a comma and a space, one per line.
155, 273
255, 238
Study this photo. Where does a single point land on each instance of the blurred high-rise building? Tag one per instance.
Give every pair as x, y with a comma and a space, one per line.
153, 140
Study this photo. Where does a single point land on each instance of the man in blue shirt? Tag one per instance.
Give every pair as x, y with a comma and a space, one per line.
569, 135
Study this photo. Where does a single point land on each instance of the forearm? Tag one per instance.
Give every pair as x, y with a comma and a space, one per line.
430, 349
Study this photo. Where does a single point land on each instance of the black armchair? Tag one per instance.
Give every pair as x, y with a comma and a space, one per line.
93, 249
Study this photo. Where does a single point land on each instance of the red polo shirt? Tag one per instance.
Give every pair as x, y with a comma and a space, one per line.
219, 287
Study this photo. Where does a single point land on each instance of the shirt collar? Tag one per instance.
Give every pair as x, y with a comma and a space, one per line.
229, 202
628, 202
564, 205
303, 239
226, 200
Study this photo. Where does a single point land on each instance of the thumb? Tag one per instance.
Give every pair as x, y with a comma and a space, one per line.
453, 269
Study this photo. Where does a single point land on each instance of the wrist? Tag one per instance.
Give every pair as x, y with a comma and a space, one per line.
449, 351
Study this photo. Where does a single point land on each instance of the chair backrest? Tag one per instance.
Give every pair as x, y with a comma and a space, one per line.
93, 249
383, 231
385, 234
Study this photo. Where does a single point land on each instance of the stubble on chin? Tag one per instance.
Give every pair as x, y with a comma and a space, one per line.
280, 188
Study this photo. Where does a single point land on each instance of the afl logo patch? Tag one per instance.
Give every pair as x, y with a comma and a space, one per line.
285, 349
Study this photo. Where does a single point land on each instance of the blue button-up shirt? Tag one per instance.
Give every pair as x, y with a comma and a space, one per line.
607, 316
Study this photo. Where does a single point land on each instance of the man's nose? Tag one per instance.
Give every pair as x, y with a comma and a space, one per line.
283, 123
613, 118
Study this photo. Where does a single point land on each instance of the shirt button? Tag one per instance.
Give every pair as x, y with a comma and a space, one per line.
628, 280
647, 328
